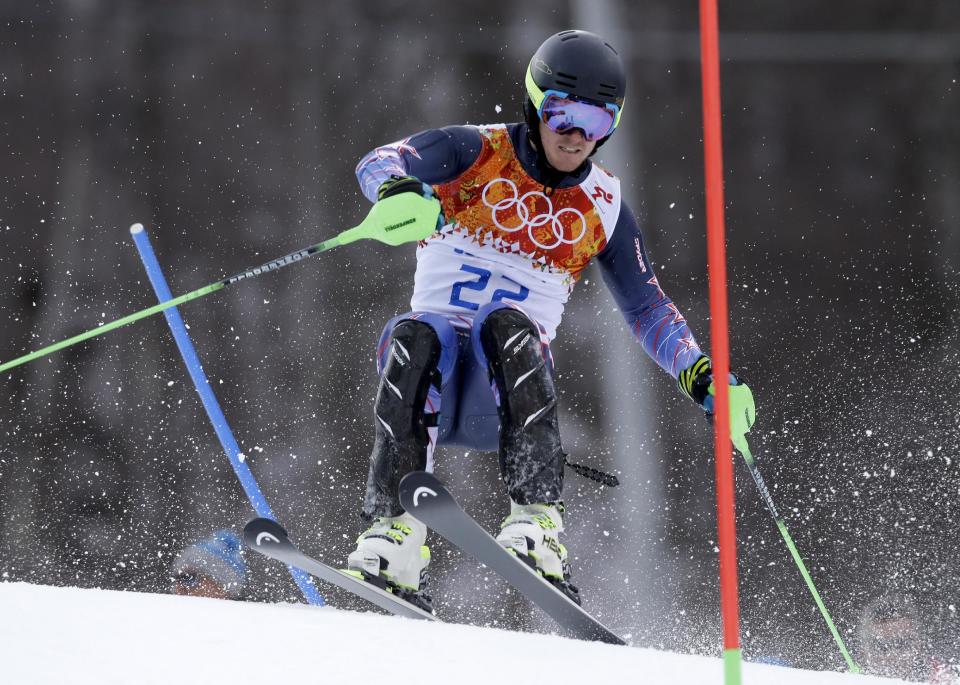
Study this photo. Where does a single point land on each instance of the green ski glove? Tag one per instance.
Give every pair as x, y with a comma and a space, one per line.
408, 187
696, 383
395, 185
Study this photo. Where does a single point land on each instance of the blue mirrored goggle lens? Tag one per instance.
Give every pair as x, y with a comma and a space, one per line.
565, 114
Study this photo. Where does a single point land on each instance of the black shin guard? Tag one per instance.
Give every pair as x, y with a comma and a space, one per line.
401, 439
531, 457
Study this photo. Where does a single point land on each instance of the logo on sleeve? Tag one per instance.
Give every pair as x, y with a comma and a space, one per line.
636, 245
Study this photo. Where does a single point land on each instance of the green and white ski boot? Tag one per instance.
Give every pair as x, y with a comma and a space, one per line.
530, 532
391, 554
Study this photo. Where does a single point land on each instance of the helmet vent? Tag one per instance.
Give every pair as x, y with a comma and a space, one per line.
565, 84
568, 35
611, 49
607, 91
569, 77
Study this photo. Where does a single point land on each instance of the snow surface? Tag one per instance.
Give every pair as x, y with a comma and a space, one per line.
69, 635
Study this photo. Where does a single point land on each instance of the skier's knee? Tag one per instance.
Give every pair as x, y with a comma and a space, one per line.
443, 331
504, 332
401, 438
531, 455
409, 368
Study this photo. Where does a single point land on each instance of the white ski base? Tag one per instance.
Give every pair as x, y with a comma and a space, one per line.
54, 635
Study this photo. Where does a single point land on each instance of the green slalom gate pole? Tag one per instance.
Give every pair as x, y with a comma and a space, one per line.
740, 442
394, 220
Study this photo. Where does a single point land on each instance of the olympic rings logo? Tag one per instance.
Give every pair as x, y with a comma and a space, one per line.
518, 203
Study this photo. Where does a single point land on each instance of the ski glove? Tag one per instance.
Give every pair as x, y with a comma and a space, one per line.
398, 185
403, 184
696, 383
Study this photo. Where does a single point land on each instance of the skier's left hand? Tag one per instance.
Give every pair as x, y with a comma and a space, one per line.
697, 383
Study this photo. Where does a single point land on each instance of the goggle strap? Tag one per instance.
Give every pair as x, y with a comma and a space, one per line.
537, 96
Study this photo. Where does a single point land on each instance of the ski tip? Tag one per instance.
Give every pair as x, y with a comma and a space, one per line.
263, 531
136, 228
416, 487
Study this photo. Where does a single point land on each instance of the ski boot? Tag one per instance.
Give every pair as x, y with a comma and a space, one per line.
530, 533
391, 555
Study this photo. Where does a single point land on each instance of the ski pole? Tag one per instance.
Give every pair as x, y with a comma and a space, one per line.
740, 442
394, 220
209, 400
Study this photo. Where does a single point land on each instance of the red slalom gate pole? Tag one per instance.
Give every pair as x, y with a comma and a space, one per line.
717, 268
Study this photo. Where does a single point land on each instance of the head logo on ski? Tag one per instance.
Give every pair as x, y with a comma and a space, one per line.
268, 537
420, 492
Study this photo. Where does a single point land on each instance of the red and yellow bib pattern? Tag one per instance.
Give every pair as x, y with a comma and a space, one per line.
497, 204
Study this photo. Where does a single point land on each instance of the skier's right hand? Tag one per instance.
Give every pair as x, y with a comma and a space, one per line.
398, 185
403, 184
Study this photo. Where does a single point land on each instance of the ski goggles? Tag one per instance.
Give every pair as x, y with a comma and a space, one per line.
562, 112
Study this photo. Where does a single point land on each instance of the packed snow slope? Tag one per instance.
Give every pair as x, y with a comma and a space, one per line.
67, 635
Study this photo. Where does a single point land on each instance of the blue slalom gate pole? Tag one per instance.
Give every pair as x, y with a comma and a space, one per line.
209, 400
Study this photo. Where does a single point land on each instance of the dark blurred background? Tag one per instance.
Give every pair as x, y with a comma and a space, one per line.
231, 130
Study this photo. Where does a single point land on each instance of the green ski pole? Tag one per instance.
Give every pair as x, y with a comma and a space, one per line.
394, 220
740, 442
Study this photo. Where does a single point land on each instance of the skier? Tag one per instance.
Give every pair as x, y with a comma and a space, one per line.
522, 210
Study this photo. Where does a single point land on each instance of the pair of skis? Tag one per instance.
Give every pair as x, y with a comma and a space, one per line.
428, 500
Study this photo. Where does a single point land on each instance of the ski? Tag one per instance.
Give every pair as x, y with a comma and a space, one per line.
427, 499
270, 539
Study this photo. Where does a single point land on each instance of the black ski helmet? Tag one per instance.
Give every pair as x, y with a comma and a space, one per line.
579, 63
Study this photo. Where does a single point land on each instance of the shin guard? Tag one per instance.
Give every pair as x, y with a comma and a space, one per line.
531, 456
401, 441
